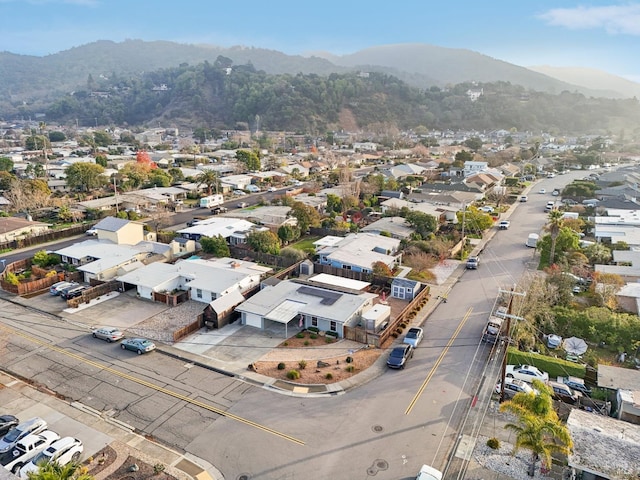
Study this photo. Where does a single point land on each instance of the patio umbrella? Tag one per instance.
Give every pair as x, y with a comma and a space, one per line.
575, 346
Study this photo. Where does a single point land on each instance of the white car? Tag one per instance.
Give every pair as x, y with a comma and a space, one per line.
486, 209
63, 451
272, 189
92, 232
542, 190
414, 336
504, 225
26, 449
109, 334
33, 425
513, 386
526, 373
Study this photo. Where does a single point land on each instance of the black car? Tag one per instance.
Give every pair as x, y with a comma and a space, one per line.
73, 292
7, 422
399, 356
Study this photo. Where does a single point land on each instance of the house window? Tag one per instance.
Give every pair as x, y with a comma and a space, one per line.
198, 293
314, 321
333, 326
346, 267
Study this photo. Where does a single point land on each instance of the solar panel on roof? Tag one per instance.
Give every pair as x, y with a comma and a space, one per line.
328, 298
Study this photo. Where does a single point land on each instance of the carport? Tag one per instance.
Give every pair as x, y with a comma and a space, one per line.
285, 313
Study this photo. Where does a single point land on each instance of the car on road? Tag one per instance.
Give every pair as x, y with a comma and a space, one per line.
272, 189
523, 198
512, 386
472, 263
218, 210
26, 449
138, 345
33, 425
555, 193
239, 193
62, 452
414, 336
542, 190
7, 422
577, 385
399, 356
109, 334
504, 224
57, 288
526, 373
486, 209
242, 205
550, 206
92, 232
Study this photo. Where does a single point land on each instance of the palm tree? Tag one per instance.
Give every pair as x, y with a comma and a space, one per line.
54, 471
209, 178
556, 221
538, 429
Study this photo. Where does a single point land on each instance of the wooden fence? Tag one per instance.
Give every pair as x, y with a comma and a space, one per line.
42, 281
242, 253
94, 292
186, 330
50, 236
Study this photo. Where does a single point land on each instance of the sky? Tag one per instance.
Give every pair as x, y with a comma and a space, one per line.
602, 35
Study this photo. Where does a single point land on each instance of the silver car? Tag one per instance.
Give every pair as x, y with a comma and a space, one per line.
110, 334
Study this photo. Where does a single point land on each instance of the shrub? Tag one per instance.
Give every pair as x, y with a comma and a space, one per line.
286, 344
302, 364
313, 336
307, 343
350, 368
332, 334
329, 339
300, 335
293, 374
281, 366
394, 335
349, 360
328, 376
158, 468
493, 443
313, 329
12, 278
398, 330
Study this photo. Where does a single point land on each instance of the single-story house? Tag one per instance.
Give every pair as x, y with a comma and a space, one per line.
626, 383
301, 304
397, 227
404, 288
359, 251
272, 216
205, 280
15, 228
233, 230
603, 447
237, 182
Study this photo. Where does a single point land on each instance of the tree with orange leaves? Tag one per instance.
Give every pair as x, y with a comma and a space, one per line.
143, 157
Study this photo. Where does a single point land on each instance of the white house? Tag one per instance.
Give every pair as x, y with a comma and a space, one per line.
233, 230
471, 167
359, 252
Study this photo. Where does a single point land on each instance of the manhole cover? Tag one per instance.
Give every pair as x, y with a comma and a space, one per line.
377, 428
244, 476
371, 471
382, 464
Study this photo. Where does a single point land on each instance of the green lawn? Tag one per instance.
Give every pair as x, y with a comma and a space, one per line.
306, 244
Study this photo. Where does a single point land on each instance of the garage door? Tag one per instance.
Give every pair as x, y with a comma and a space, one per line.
253, 320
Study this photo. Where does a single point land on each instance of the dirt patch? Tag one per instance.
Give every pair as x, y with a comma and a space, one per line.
100, 461
317, 365
144, 471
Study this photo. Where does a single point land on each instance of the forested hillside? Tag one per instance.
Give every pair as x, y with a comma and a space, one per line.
225, 96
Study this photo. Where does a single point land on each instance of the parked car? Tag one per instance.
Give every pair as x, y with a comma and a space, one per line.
486, 209
92, 232
399, 356
26, 449
242, 205
138, 345
577, 384
427, 472
218, 210
504, 225
62, 452
8, 422
272, 189
523, 198
472, 263
33, 425
110, 334
513, 386
542, 190
57, 288
72, 292
527, 373
564, 393
239, 193
414, 336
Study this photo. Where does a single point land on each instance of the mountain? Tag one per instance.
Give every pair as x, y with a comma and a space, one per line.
612, 86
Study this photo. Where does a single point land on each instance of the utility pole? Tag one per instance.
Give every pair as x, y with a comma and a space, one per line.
464, 217
508, 316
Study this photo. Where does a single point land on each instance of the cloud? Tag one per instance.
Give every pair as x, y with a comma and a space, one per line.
614, 19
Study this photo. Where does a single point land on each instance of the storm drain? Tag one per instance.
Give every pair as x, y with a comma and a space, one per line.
379, 465
377, 428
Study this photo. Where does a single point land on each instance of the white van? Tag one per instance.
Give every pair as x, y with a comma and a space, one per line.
427, 472
532, 240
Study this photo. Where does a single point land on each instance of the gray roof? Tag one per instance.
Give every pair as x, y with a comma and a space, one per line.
603, 445
618, 378
111, 224
311, 300
404, 282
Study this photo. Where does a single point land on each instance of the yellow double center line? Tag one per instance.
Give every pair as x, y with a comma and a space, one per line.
155, 387
438, 362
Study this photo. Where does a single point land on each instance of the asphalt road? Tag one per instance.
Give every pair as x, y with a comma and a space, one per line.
387, 428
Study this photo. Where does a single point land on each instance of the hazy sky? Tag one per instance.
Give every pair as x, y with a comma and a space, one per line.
603, 35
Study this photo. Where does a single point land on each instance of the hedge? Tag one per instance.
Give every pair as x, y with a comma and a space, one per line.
555, 367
